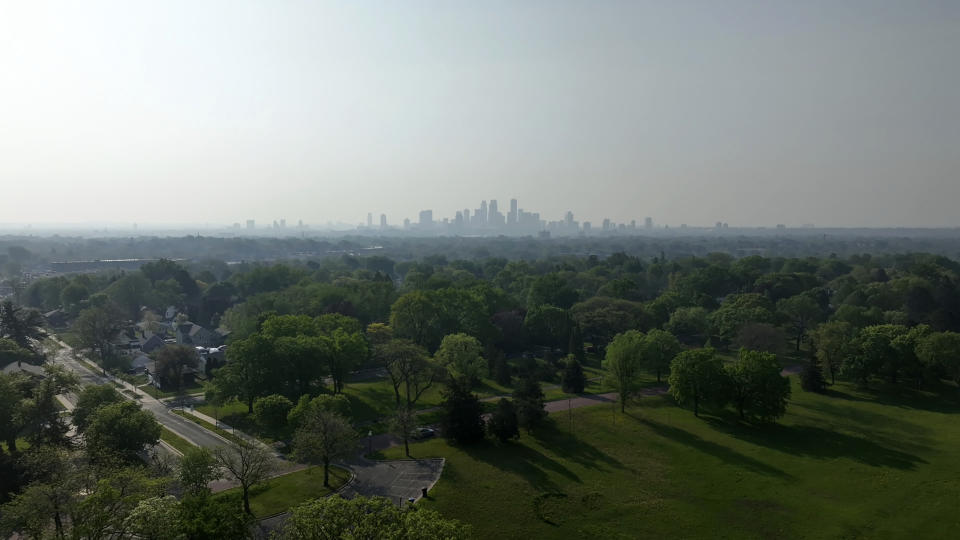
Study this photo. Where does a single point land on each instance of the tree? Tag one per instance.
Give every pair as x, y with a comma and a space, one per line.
832, 341
22, 326
271, 412
551, 289
941, 350
322, 437
761, 337
504, 424
409, 368
96, 327
11, 398
622, 364
248, 463
156, 518
801, 310
462, 419
573, 381
688, 324
738, 310
247, 372
90, 399
460, 355
215, 517
602, 318
402, 424
120, 431
697, 376
414, 316
332, 518
501, 371
197, 468
171, 361
307, 406
811, 378
349, 351
40, 413
528, 398
757, 388
659, 348
10, 352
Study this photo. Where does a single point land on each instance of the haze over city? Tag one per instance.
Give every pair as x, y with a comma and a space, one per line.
839, 114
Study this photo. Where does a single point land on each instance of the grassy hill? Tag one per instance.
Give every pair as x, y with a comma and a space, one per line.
849, 464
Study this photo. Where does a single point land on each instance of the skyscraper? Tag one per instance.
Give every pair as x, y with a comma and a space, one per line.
426, 218
512, 217
251, 224
482, 218
648, 223
383, 221
369, 220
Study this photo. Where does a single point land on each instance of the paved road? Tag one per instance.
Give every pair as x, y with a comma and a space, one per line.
190, 431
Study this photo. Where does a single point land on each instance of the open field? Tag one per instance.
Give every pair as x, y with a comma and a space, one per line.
283, 492
849, 464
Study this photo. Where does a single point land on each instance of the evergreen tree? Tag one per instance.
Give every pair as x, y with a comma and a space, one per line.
462, 419
503, 424
528, 398
574, 381
576, 344
811, 378
502, 371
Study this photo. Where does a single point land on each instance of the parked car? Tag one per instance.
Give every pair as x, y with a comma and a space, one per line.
423, 433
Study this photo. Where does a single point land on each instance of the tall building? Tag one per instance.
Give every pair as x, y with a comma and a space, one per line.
369, 220
426, 218
283, 223
606, 224
251, 224
383, 221
482, 217
648, 223
512, 217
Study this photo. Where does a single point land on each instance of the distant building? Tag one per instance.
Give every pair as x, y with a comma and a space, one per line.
251, 224
648, 223
383, 221
426, 218
369, 220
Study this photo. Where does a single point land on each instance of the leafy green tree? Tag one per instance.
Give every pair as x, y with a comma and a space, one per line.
215, 517
460, 355
757, 388
602, 318
156, 518
738, 310
402, 424
688, 324
941, 350
96, 327
11, 402
832, 341
119, 431
409, 368
322, 437
501, 371
172, 361
271, 412
802, 311
22, 326
811, 378
10, 352
40, 413
659, 348
307, 406
697, 376
529, 401
622, 364
348, 352
89, 400
248, 463
72, 295
551, 289
197, 468
462, 420
414, 316
504, 424
362, 517
876, 351
548, 326
248, 372
573, 381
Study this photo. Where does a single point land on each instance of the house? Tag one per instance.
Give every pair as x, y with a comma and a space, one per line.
150, 344
57, 318
198, 336
140, 364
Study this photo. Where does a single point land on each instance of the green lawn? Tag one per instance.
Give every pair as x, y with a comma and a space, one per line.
159, 394
207, 425
283, 492
849, 464
174, 440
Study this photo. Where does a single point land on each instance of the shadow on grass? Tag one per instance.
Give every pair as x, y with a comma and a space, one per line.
940, 398
816, 442
522, 461
718, 451
573, 448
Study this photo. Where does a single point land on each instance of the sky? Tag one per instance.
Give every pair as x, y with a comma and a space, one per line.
836, 113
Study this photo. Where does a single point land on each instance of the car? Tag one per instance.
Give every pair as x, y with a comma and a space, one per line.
423, 433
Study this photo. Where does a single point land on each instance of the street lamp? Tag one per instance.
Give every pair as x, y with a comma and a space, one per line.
370, 442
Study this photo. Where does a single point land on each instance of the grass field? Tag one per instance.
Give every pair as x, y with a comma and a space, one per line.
849, 464
174, 440
207, 425
279, 494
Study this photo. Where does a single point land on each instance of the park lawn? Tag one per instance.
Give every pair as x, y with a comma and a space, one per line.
174, 440
279, 494
848, 464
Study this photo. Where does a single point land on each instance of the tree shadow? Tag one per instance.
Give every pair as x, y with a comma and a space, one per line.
716, 450
939, 398
522, 461
819, 443
573, 448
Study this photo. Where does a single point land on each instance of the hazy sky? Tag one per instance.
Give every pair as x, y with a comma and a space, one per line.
829, 112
